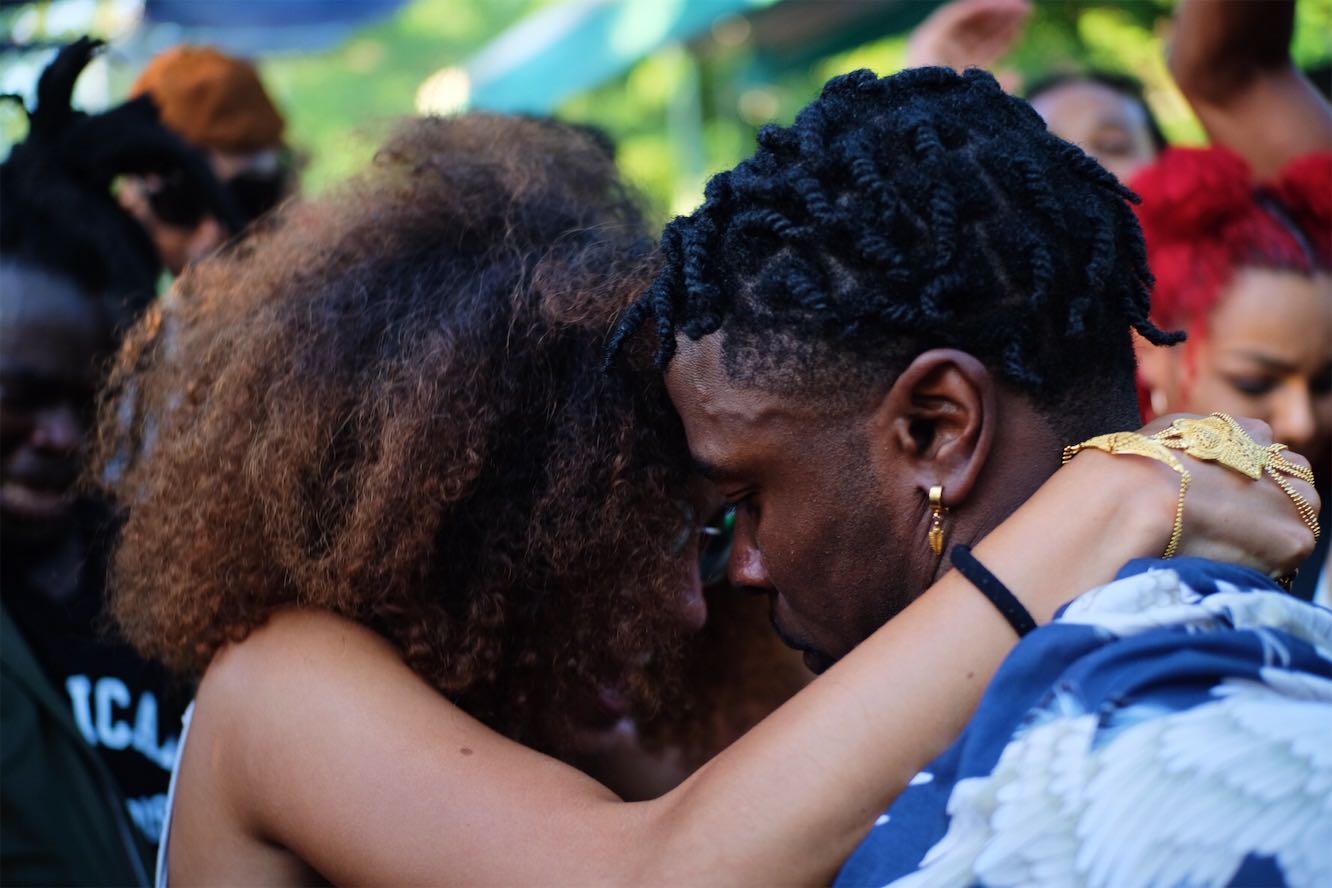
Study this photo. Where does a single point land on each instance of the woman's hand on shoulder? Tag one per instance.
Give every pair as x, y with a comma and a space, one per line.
1227, 515
1231, 517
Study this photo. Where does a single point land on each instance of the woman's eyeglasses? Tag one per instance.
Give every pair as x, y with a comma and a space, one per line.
716, 538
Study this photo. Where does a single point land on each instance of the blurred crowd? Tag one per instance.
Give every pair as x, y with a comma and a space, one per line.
142, 249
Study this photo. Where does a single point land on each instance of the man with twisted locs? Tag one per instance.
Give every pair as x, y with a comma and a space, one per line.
881, 332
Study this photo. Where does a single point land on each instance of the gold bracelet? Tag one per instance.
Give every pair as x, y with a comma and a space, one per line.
1140, 445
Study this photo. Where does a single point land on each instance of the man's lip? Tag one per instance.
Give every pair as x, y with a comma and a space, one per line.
601, 709
47, 476
38, 503
816, 661
613, 702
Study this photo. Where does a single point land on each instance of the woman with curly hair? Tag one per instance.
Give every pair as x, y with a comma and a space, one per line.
1245, 266
381, 496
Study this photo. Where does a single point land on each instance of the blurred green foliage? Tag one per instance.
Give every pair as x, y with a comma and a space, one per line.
1125, 36
685, 111
340, 103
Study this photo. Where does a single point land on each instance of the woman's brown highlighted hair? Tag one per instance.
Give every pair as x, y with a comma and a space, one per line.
390, 406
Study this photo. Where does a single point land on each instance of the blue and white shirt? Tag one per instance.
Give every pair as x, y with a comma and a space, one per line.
1171, 728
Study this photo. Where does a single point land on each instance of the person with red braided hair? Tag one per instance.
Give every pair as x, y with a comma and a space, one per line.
1245, 267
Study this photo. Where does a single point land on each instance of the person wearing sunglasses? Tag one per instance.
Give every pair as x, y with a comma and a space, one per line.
218, 104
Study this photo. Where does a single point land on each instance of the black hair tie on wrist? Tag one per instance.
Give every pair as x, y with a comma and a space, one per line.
1017, 616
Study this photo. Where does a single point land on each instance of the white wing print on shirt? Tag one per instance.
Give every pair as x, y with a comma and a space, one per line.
1177, 798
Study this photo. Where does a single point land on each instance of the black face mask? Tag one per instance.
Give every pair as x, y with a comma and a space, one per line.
179, 201
257, 193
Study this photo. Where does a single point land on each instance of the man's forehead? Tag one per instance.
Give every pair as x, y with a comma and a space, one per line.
699, 389
701, 386
698, 377
726, 419
696, 372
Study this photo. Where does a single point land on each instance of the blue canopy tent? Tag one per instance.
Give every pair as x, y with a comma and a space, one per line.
576, 45
573, 46
243, 27
261, 27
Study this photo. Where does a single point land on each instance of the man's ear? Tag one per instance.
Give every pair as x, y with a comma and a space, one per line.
938, 422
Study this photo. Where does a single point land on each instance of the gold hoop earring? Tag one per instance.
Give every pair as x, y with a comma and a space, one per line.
937, 510
1160, 406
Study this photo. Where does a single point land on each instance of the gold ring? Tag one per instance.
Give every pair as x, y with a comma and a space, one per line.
1221, 439
1217, 438
1302, 505
1281, 464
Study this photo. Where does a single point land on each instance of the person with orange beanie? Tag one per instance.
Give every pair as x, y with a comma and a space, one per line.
218, 104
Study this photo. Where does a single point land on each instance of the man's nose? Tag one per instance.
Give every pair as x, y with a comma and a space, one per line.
746, 568
59, 429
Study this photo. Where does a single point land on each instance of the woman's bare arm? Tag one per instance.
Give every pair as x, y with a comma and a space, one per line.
329, 746
1231, 59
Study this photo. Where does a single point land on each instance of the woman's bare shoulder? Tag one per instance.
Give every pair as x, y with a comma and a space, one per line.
314, 737
304, 665
268, 737
297, 685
